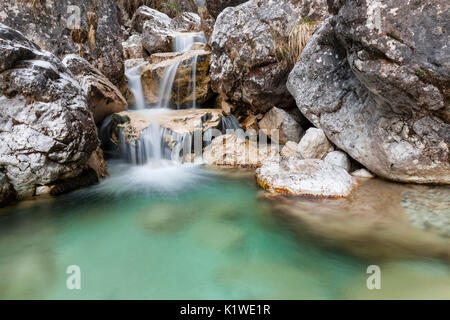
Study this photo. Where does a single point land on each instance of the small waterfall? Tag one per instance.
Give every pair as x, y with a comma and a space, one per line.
135, 83
165, 90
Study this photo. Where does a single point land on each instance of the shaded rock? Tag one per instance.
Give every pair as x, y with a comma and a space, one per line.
362, 173
232, 151
215, 7
251, 123
133, 48
280, 126
290, 149
47, 132
382, 95
52, 24
103, 97
314, 144
182, 94
338, 158
253, 53
304, 177
7, 192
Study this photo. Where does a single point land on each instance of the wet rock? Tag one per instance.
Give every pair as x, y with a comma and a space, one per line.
252, 53
429, 210
314, 144
182, 93
310, 177
47, 132
232, 151
362, 173
280, 126
290, 149
7, 192
52, 25
382, 95
133, 48
338, 158
103, 97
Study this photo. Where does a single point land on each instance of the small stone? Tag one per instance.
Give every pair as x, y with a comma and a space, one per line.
280, 126
314, 144
338, 158
363, 173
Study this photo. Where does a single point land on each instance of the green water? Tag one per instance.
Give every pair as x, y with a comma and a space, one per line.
197, 235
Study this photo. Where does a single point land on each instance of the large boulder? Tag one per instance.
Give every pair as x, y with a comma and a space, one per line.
376, 80
215, 7
91, 29
252, 54
103, 97
47, 133
310, 177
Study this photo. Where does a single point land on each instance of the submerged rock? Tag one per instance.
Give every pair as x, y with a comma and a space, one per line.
232, 151
280, 126
314, 144
54, 26
47, 132
309, 177
103, 97
382, 95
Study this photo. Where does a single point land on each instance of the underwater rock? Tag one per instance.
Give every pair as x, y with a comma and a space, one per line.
338, 158
103, 97
53, 26
289, 175
232, 151
382, 95
280, 126
314, 144
47, 131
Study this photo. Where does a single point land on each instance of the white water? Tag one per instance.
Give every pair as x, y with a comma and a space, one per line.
135, 83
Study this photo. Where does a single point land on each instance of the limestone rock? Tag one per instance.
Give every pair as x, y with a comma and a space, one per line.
280, 126
309, 177
252, 53
52, 25
314, 144
47, 133
290, 149
215, 7
102, 96
338, 158
169, 7
382, 95
362, 173
133, 48
187, 22
232, 151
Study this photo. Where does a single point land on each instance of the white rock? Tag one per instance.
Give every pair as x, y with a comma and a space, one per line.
304, 177
338, 158
290, 150
314, 144
280, 126
362, 173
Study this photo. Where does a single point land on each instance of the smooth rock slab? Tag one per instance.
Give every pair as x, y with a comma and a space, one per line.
289, 175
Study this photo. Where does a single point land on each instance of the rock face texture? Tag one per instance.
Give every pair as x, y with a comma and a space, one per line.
280, 126
103, 97
90, 28
376, 79
290, 175
314, 144
251, 53
168, 7
47, 133
215, 7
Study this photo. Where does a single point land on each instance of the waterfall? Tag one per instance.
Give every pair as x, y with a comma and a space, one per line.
135, 83
166, 86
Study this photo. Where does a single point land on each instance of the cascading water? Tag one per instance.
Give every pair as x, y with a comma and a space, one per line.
135, 83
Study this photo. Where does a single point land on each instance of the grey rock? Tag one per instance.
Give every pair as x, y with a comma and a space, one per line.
187, 22
338, 158
47, 133
280, 126
382, 95
133, 48
215, 7
309, 177
169, 7
103, 97
51, 24
314, 144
